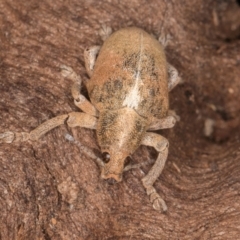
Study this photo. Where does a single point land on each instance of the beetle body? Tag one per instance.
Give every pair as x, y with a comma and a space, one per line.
129, 88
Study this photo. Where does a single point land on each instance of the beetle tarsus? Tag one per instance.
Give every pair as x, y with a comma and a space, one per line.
7, 137
105, 32
158, 203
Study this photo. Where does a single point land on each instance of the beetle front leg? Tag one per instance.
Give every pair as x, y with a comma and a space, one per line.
79, 100
161, 145
87, 151
73, 119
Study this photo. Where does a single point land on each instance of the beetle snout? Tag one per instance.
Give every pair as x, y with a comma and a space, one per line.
113, 169
109, 175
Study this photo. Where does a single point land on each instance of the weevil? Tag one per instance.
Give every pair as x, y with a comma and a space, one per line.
128, 88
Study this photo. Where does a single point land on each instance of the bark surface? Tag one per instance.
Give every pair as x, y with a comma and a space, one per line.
50, 190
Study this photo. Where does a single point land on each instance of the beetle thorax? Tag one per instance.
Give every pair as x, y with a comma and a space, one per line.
119, 133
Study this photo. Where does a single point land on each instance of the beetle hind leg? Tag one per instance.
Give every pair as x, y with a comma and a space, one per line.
164, 39
90, 53
105, 32
161, 145
173, 77
90, 56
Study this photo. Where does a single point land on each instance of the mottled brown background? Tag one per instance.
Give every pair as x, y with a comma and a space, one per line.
50, 190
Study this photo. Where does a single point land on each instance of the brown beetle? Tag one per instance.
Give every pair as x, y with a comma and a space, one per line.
128, 88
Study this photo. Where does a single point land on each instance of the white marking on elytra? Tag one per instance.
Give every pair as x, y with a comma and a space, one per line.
133, 98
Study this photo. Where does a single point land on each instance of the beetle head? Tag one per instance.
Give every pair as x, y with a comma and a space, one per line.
119, 133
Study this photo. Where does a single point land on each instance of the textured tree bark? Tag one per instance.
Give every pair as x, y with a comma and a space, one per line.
50, 190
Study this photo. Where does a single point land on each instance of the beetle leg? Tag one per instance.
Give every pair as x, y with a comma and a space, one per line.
161, 145
163, 123
138, 165
164, 39
90, 55
78, 119
173, 77
87, 151
167, 122
9, 137
73, 119
105, 32
79, 100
